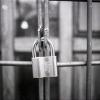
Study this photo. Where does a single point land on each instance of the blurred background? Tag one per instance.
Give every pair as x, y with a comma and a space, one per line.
68, 33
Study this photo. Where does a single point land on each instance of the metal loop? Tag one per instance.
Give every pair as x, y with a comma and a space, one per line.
52, 47
36, 43
34, 48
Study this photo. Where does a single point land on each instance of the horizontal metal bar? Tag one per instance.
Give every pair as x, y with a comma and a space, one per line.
15, 63
77, 0
70, 64
59, 64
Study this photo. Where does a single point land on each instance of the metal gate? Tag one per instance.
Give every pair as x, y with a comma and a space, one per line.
88, 63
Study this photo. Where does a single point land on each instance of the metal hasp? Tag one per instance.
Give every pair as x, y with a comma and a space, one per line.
89, 68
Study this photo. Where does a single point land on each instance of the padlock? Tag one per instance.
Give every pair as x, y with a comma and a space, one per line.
44, 66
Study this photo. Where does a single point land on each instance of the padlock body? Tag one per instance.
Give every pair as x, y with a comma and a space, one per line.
44, 67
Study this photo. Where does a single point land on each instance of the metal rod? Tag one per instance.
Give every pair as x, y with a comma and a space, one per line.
89, 51
59, 64
46, 34
40, 21
46, 17
39, 10
40, 25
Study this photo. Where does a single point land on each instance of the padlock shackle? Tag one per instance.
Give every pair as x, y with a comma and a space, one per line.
34, 48
52, 47
37, 43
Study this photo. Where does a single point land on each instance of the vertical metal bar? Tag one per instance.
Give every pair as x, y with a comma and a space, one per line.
46, 15
47, 88
46, 30
39, 7
41, 84
39, 10
1, 83
89, 51
75, 70
41, 92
